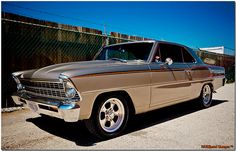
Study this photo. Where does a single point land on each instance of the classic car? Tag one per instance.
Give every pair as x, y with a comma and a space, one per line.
122, 80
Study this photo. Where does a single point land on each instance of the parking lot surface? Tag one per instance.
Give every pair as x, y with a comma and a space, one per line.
182, 126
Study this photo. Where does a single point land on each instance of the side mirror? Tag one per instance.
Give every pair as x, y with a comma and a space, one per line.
168, 61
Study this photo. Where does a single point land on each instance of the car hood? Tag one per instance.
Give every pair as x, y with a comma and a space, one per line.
72, 69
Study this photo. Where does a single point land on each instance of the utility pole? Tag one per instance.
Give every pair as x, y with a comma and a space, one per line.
106, 36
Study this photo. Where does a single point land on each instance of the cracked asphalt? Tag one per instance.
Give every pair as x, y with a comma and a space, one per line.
182, 126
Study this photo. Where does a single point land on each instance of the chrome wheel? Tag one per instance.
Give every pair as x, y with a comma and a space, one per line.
111, 115
206, 95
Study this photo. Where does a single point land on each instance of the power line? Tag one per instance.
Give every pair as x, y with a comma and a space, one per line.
83, 20
53, 14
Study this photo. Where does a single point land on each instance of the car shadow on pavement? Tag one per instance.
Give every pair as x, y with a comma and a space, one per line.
165, 114
78, 133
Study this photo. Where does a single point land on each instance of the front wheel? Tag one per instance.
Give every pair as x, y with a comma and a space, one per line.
109, 117
205, 98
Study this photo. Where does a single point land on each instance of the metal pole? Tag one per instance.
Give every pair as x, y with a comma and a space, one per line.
107, 38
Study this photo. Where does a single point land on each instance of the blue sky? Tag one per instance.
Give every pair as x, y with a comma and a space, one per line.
195, 24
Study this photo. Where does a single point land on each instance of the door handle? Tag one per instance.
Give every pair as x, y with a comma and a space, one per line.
188, 72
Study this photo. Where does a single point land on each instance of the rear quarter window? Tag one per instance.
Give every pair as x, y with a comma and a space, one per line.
171, 51
187, 56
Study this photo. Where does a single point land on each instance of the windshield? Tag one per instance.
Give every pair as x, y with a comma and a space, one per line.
130, 51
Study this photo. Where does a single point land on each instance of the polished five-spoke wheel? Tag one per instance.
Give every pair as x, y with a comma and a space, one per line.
109, 118
206, 96
111, 115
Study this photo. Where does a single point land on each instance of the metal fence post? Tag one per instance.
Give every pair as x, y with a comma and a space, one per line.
59, 56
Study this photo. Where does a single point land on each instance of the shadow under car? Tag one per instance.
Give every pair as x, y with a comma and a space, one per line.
78, 133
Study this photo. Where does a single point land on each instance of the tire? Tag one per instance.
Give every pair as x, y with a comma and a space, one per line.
205, 99
109, 117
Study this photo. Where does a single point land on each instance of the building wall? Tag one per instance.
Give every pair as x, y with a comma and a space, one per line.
219, 50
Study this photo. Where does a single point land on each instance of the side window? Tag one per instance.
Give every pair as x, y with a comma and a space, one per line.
187, 57
170, 51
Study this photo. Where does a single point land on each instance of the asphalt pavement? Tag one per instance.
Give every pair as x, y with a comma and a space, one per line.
182, 126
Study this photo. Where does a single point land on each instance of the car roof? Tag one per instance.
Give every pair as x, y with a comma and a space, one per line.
131, 42
148, 41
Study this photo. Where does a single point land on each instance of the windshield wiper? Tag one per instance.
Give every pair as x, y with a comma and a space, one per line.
119, 59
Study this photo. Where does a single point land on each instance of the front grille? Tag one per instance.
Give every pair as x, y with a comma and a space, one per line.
46, 92
50, 85
46, 89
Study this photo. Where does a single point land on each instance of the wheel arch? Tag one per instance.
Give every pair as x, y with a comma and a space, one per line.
122, 93
201, 87
210, 84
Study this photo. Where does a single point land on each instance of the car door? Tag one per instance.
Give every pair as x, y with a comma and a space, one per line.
169, 83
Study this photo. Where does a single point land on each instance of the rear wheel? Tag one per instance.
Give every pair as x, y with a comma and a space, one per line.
109, 117
205, 98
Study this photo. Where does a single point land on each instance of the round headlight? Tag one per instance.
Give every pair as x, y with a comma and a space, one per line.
69, 90
19, 86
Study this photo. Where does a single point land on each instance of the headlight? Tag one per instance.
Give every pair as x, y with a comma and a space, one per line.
69, 90
18, 84
19, 87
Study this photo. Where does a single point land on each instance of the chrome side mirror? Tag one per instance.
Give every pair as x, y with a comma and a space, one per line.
168, 61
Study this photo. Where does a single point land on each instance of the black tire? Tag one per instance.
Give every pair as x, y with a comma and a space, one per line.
94, 123
205, 98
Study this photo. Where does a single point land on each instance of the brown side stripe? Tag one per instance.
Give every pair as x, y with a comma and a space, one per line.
131, 71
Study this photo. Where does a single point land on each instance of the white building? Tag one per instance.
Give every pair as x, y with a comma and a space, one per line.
219, 50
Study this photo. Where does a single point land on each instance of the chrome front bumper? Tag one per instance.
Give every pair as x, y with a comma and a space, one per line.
69, 111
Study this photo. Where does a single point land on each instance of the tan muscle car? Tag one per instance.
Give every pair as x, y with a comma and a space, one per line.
122, 79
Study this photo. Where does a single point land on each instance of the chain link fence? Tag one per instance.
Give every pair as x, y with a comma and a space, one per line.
36, 44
